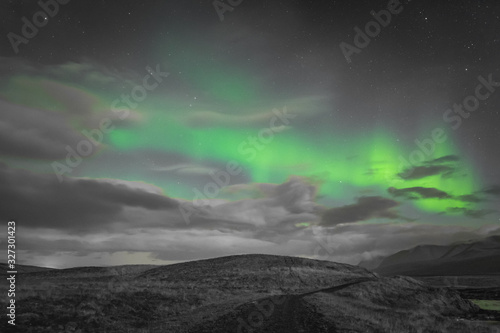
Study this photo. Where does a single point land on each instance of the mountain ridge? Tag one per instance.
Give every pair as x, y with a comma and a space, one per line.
458, 258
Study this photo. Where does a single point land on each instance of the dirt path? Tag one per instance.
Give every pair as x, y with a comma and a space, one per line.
289, 316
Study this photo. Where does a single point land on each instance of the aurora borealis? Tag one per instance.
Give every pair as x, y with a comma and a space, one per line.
257, 128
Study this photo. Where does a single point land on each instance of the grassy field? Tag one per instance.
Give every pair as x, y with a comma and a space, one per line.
249, 293
487, 304
467, 281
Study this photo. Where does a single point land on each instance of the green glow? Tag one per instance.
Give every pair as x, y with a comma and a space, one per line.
339, 159
30, 92
220, 80
368, 160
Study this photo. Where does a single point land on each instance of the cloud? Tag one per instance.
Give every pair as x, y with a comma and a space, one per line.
31, 133
161, 245
87, 71
78, 205
297, 195
493, 190
214, 119
196, 169
415, 193
43, 128
444, 166
365, 209
348, 243
40, 200
44, 108
418, 193
354, 242
469, 198
445, 159
287, 203
474, 213
305, 106
419, 172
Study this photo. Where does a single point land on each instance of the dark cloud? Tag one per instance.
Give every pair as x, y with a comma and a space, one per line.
34, 243
474, 213
444, 166
278, 206
469, 198
444, 159
296, 195
415, 193
32, 133
37, 200
366, 208
419, 172
493, 190
33, 129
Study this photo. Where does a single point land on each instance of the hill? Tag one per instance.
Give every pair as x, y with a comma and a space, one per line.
247, 293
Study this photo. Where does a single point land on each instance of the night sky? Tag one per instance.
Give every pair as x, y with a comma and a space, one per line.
164, 131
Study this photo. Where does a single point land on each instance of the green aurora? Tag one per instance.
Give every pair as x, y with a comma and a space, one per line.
372, 159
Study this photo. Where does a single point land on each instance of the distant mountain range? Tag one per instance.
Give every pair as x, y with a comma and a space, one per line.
466, 258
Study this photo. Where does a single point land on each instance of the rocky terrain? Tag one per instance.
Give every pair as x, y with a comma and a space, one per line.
247, 293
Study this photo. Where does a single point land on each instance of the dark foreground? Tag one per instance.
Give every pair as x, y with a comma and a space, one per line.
251, 293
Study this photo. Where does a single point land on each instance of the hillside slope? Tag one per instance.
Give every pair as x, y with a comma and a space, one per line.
472, 258
247, 293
